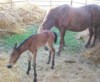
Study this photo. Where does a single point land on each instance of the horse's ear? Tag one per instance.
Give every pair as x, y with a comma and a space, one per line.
15, 46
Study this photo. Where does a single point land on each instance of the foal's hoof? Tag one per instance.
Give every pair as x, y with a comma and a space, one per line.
52, 67
48, 62
46, 48
27, 73
35, 80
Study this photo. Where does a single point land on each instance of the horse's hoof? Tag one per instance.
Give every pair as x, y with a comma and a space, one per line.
48, 62
58, 54
52, 67
91, 46
87, 46
27, 73
46, 48
35, 80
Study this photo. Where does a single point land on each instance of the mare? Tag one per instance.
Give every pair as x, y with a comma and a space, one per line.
65, 18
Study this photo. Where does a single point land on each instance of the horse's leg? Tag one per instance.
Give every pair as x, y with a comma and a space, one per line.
49, 59
98, 34
34, 66
62, 34
29, 64
90, 37
53, 59
52, 52
95, 36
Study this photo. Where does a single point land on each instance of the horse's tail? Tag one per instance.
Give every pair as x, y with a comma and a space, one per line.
55, 40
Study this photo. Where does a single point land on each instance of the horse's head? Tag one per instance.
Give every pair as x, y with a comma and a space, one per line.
13, 57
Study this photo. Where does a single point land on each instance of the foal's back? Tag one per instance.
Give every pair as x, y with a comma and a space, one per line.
41, 39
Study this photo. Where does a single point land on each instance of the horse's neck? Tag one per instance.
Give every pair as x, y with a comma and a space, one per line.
22, 49
48, 22
47, 25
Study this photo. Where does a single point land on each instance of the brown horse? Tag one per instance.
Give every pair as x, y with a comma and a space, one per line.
65, 17
32, 44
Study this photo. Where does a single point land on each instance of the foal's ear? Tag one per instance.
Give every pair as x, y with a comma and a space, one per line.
15, 46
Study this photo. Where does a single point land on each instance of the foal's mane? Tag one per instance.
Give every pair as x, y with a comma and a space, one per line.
23, 42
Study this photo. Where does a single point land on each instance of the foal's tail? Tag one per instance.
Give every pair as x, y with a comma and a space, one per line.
55, 40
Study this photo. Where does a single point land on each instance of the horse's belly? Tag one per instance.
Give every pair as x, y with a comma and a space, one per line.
79, 25
76, 28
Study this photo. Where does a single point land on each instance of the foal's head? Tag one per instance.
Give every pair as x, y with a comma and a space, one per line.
13, 57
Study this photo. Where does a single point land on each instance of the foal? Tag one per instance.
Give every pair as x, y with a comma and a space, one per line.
32, 44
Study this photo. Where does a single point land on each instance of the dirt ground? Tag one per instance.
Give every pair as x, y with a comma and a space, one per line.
68, 68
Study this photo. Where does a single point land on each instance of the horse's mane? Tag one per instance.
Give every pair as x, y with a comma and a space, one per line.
24, 42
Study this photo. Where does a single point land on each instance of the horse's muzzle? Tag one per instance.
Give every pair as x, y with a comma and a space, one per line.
9, 66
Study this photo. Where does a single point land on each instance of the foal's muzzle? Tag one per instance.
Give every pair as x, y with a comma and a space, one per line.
9, 66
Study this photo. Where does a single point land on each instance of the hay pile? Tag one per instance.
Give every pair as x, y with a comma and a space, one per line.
13, 20
9, 24
16, 74
2, 7
7, 75
93, 54
31, 13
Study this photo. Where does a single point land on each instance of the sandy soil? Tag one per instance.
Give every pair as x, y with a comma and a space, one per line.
68, 68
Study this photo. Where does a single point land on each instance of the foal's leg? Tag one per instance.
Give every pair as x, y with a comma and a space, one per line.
49, 59
53, 58
34, 66
90, 37
62, 43
29, 63
52, 52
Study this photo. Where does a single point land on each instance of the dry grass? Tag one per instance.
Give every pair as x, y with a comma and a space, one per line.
7, 75
16, 74
31, 13
8, 23
93, 54
64, 71
13, 20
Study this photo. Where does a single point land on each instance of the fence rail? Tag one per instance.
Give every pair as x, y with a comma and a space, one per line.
49, 3
12, 2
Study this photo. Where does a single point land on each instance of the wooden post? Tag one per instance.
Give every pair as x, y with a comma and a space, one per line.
50, 3
71, 2
11, 4
86, 2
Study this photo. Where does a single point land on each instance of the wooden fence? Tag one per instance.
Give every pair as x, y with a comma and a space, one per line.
49, 3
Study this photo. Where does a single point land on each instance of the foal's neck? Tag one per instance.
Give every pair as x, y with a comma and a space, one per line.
25, 45
21, 49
